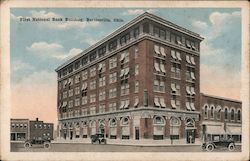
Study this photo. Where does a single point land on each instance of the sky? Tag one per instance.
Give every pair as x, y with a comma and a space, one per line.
38, 48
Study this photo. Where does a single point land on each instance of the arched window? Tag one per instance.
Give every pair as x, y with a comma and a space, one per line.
159, 124
218, 110
205, 111
125, 128
113, 129
226, 114
212, 112
93, 127
174, 127
238, 115
232, 114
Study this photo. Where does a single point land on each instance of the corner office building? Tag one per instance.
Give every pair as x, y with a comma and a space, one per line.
140, 82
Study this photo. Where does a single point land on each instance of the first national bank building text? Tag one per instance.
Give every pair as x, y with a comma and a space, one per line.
140, 82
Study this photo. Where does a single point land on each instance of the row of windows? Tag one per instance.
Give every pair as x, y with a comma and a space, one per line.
99, 53
42, 126
215, 113
112, 91
19, 126
124, 104
175, 38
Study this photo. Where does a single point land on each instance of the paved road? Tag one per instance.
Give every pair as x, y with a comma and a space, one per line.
80, 147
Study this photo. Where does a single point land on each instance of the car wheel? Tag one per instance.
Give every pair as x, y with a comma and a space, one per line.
203, 147
27, 145
46, 145
231, 147
210, 147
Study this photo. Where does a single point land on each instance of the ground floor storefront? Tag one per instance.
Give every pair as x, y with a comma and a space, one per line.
18, 136
141, 124
213, 131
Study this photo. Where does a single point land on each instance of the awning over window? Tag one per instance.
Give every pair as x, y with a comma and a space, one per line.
193, 47
65, 82
122, 56
162, 67
192, 106
156, 65
136, 102
188, 90
179, 42
173, 87
64, 104
157, 50
126, 104
156, 102
122, 72
192, 75
122, 104
178, 55
100, 66
233, 130
188, 44
188, 106
215, 129
126, 71
173, 104
70, 81
192, 90
162, 102
162, 51
84, 86
173, 54
188, 59
192, 60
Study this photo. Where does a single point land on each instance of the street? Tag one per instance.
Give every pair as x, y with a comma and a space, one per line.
81, 147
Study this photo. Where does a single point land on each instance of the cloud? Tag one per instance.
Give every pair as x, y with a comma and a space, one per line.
138, 11
200, 24
72, 52
35, 96
218, 18
58, 25
207, 49
51, 50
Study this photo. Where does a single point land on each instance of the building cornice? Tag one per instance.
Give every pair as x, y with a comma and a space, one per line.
125, 27
221, 98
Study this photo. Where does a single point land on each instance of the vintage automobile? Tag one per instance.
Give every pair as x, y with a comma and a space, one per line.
98, 138
226, 143
39, 142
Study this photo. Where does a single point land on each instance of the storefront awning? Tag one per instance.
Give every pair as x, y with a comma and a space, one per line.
234, 130
213, 129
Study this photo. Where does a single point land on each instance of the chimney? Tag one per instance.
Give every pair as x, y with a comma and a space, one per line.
37, 119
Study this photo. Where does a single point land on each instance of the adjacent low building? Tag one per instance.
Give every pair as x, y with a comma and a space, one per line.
25, 129
220, 117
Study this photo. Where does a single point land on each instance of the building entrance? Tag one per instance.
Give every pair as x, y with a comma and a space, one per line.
137, 133
190, 136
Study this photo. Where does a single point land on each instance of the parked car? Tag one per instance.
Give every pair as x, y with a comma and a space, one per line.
98, 138
39, 142
226, 143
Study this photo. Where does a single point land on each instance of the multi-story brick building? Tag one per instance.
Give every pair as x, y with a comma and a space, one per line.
19, 129
140, 82
220, 116
41, 130
25, 129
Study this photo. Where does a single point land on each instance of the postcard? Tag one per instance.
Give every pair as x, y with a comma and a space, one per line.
103, 80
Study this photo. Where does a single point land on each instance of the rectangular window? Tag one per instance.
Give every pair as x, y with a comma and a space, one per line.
172, 38
113, 77
136, 32
136, 102
112, 62
102, 95
77, 102
92, 71
175, 89
112, 93
102, 81
85, 61
77, 78
124, 58
162, 34
84, 100
102, 67
176, 70
84, 112
112, 45
85, 75
136, 86
102, 51
92, 98
92, 110
175, 102
124, 104
112, 107
101, 108
77, 90
156, 31
71, 93
92, 84
124, 73
65, 94
71, 104
124, 89
136, 69
159, 85
190, 75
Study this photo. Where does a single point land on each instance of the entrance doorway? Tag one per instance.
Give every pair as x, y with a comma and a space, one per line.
190, 136
71, 135
137, 133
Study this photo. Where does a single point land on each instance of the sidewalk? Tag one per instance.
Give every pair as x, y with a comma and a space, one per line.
142, 142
